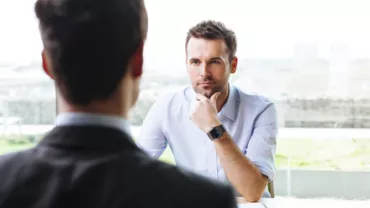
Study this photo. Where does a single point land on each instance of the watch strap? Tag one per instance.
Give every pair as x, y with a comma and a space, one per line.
216, 132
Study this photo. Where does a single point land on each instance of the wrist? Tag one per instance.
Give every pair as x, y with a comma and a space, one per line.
215, 122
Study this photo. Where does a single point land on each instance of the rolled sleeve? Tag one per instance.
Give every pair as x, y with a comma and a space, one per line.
261, 148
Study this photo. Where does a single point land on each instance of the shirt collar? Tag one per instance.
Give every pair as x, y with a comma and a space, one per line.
231, 107
229, 110
85, 119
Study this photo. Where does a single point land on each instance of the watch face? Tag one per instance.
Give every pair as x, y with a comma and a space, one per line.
216, 132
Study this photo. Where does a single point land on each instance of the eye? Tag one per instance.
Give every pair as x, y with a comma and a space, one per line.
194, 61
215, 62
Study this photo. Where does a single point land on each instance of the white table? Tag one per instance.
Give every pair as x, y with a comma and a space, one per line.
261, 204
305, 203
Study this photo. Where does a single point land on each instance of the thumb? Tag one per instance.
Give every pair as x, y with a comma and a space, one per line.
214, 97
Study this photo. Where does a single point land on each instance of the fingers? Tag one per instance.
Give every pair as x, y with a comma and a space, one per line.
201, 97
214, 97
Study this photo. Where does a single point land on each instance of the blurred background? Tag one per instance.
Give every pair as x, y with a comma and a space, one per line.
312, 58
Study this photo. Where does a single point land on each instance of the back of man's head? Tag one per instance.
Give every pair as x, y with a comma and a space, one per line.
89, 43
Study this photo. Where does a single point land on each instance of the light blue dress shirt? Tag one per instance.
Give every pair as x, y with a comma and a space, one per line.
87, 119
249, 119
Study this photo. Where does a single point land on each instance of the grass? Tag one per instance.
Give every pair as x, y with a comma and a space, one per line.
12, 143
333, 154
303, 153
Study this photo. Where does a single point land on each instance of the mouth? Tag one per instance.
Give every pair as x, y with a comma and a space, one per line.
205, 84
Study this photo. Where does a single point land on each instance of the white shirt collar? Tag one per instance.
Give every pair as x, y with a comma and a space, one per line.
85, 119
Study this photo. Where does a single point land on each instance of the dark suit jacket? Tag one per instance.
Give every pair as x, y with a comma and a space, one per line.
96, 166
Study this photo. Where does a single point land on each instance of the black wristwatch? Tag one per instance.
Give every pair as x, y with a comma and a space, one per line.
216, 132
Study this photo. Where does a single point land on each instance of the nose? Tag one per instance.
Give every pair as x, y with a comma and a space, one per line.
203, 71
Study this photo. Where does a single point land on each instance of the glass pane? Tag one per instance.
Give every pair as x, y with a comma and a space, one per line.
27, 95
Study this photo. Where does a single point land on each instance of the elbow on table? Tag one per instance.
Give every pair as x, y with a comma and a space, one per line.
252, 197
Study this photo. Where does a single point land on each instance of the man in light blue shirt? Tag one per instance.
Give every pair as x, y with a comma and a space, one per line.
213, 128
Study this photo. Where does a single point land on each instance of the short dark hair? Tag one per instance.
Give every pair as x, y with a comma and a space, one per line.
89, 44
212, 30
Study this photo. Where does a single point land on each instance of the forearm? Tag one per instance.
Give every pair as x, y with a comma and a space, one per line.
242, 173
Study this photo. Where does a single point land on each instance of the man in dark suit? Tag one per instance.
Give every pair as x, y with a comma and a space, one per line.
93, 49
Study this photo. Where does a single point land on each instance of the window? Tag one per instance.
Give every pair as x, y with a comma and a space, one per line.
311, 58
27, 95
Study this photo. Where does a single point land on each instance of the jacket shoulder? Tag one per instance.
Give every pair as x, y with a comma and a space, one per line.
184, 187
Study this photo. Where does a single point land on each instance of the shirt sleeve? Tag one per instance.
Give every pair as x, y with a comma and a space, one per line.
152, 139
262, 145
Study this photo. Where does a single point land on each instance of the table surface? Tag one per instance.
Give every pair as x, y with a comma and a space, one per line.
303, 203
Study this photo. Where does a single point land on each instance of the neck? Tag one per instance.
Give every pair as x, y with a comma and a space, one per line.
112, 108
222, 98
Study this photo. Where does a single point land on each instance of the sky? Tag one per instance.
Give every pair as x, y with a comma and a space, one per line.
264, 28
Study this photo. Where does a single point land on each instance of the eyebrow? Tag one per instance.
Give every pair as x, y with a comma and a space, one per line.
211, 59
192, 58
216, 59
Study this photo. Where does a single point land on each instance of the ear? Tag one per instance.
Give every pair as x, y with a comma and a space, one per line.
234, 64
45, 65
137, 61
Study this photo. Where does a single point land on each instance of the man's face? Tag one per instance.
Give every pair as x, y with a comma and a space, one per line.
208, 65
